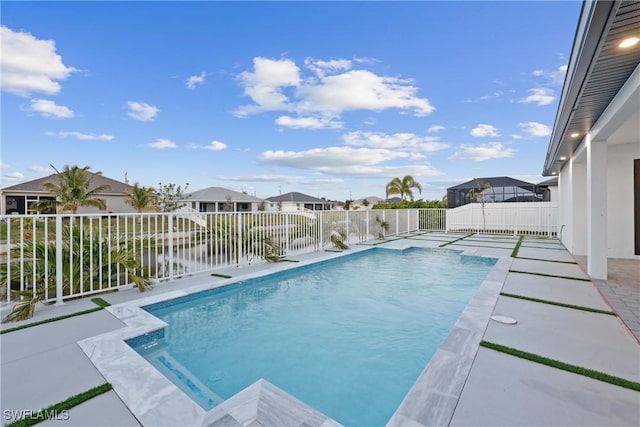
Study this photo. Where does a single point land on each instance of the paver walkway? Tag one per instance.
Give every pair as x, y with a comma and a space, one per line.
44, 365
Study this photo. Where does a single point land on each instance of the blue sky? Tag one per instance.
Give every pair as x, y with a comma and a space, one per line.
332, 99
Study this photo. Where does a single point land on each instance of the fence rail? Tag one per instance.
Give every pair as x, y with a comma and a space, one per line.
67, 256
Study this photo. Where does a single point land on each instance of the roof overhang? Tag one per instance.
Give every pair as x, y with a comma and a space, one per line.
598, 69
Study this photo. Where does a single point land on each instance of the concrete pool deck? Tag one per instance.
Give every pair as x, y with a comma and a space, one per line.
43, 365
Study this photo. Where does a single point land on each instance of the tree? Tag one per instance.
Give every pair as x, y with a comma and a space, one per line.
73, 190
142, 199
403, 187
170, 196
476, 194
347, 204
87, 262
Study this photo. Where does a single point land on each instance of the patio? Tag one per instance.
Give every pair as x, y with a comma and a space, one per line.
43, 365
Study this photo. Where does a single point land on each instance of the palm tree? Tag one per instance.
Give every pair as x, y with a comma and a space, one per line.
142, 199
73, 190
403, 187
87, 262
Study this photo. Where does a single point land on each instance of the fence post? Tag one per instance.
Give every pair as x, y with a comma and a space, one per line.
367, 225
239, 234
320, 217
59, 250
347, 230
397, 222
170, 245
287, 235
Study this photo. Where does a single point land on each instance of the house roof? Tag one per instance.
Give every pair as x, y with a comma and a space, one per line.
220, 194
498, 181
550, 182
296, 197
37, 185
598, 69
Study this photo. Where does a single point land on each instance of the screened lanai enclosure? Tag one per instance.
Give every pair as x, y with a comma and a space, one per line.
496, 189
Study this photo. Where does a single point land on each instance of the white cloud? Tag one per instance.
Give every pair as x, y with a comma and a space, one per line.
278, 85
4, 165
13, 176
362, 90
287, 179
400, 141
335, 156
483, 130
47, 108
535, 129
161, 144
213, 146
142, 111
554, 77
479, 153
82, 136
39, 169
435, 128
29, 65
309, 122
516, 136
193, 81
321, 68
264, 84
540, 96
361, 162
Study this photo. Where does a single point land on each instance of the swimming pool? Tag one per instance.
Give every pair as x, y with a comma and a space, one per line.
347, 336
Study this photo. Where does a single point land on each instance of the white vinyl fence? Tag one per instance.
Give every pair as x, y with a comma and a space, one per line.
67, 256
529, 218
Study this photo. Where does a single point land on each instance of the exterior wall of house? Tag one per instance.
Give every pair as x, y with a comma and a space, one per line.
115, 204
572, 198
620, 201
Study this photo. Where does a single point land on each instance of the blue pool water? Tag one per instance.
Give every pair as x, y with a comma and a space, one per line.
348, 336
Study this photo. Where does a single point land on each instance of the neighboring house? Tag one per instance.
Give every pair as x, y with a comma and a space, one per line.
19, 198
500, 189
595, 144
296, 202
552, 185
218, 199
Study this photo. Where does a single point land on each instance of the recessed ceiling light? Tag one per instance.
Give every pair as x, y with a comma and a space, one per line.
575, 135
563, 158
628, 42
554, 173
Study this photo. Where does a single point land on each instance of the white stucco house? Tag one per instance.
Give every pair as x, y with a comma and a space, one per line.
595, 144
219, 199
295, 201
18, 199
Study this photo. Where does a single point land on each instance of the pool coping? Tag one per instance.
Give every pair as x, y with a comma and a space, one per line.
155, 400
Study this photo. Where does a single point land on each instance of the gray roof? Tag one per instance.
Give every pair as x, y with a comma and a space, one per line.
37, 185
498, 181
550, 182
296, 197
220, 194
598, 69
